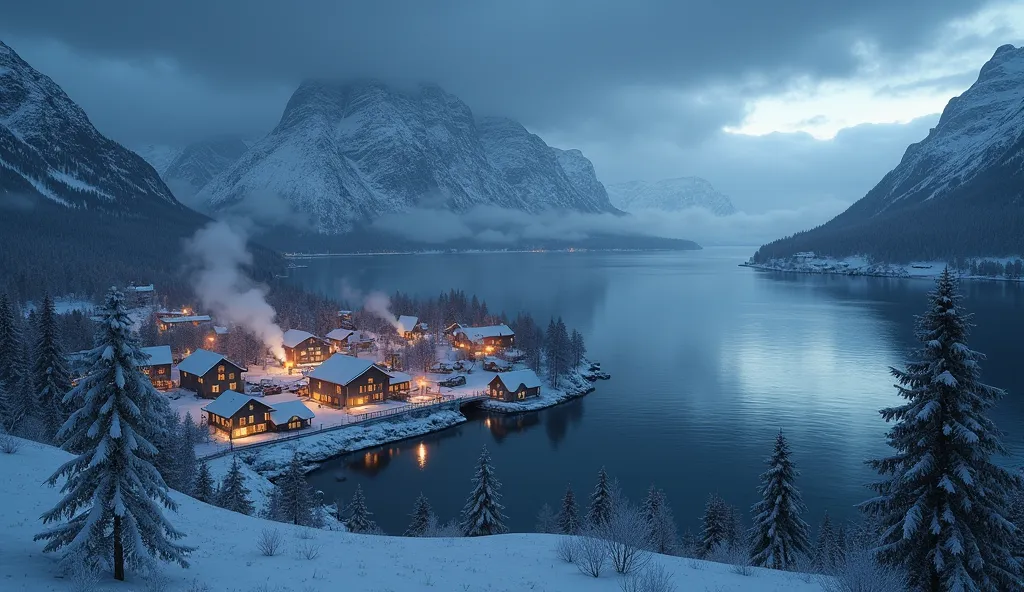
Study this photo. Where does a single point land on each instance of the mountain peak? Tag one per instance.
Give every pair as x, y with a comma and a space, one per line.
670, 195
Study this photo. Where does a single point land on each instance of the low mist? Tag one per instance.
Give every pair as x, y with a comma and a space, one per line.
218, 258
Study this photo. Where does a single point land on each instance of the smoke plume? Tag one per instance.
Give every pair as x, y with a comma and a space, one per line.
219, 255
376, 303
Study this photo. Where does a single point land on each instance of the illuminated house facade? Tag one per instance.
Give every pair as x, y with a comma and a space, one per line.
302, 348
158, 366
210, 374
346, 381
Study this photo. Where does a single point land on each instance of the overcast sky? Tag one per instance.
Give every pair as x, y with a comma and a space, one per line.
798, 105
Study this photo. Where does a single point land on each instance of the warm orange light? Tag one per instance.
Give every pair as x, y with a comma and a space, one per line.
421, 455
210, 338
287, 364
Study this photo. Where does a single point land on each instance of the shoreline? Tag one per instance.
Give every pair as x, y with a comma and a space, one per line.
889, 273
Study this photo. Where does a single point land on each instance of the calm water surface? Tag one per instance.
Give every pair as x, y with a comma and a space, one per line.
708, 361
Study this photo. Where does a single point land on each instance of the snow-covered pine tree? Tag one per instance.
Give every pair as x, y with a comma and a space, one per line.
714, 528
10, 344
942, 502
600, 501
23, 398
578, 348
168, 461
113, 494
203, 488
734, 536
826, 548
661, 524
569, 514
421, 517
187, 463
233, 494
294, 501
482, 515
359, 520
547, 521
53, 379
779, 534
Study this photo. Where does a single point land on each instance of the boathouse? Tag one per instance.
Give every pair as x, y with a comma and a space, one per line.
514, 386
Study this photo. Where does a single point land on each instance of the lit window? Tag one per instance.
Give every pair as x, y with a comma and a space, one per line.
220, 368
337, 389
215, 388
370, 381
266, 417
241, 421
220, 376
233, 386
250, 406
231, 375
161, 371
251, 420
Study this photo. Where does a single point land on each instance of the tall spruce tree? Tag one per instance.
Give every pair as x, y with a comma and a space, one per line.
547, 520
661, 525
600, 501
482, 514
203, 488
53, 379
779, 534
10, 344
111, 509
359, 520
293, 500
827, 553
569, 514
233, 494
714, 525
422, 515
942, 501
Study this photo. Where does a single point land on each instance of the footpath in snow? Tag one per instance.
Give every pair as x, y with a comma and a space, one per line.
226, 557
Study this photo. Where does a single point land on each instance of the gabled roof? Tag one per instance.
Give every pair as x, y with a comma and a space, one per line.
341, 369
478, 333
407, 323
397, 377
148, 288
158, 355
340, 334
188, 319
201, 360
283, 412
512, 380
293, 337
229, 403
220, 330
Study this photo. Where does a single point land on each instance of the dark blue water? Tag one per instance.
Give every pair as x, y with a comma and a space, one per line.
709, 361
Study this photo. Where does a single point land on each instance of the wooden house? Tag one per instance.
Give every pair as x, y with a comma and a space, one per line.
158, 366
165, 323
239, 415
485, 339
140, 295
514, 386
290, 415
345, 381
210, 374
339, 339
408, 326
302, 348
345, 320
399, 384
492, 364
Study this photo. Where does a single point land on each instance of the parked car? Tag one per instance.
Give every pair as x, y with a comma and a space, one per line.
441, 368
265, 382
453, 381
272, 390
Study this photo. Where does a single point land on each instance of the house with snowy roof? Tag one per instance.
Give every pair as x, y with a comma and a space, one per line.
514, 386
347, 381
486, 339
345, 320
408, 326
158, 366
399, 384
242, 415
302, 348
210, 374
339, 339
166, 322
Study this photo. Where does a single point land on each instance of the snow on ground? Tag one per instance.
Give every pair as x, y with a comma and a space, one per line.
861, 266
226, 558
64, 305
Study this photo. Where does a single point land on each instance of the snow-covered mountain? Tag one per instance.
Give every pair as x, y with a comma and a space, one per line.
49, 149
160, 156
959, 191
198, 163
670, 195
346, 152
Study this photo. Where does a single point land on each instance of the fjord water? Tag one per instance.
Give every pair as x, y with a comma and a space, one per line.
708, 362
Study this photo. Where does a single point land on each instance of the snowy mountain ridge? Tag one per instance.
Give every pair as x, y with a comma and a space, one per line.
198, 163
50, 149
670, 195
346, 152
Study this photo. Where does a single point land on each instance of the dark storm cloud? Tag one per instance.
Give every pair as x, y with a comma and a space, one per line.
545, 62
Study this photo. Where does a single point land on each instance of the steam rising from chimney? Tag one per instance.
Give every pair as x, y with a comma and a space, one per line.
219, 254
376, 303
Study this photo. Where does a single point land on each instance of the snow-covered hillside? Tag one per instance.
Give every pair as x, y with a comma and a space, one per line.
50, 149
670, 195
196, 164
227, 558
346, 152
160, 156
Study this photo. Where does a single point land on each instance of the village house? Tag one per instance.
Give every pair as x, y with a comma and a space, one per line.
241, 415
345, 381
360, 341
407, 326
399, 384
514, 386
484, 339
140, 295
210, 374
166, 322
302, 348
339, 339
345, 320
237, 414
492, 364
450, 330
158, 366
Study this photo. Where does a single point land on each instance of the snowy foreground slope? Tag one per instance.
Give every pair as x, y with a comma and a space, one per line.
227, 559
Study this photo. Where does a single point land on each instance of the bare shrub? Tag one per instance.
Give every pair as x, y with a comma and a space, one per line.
156, 581
9, 444
861, 573
309, 550
591, 554
565, 548
736, 556
269, 542
307, 534
84, 576
653, 578
626, 536
197, 586
447, 530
